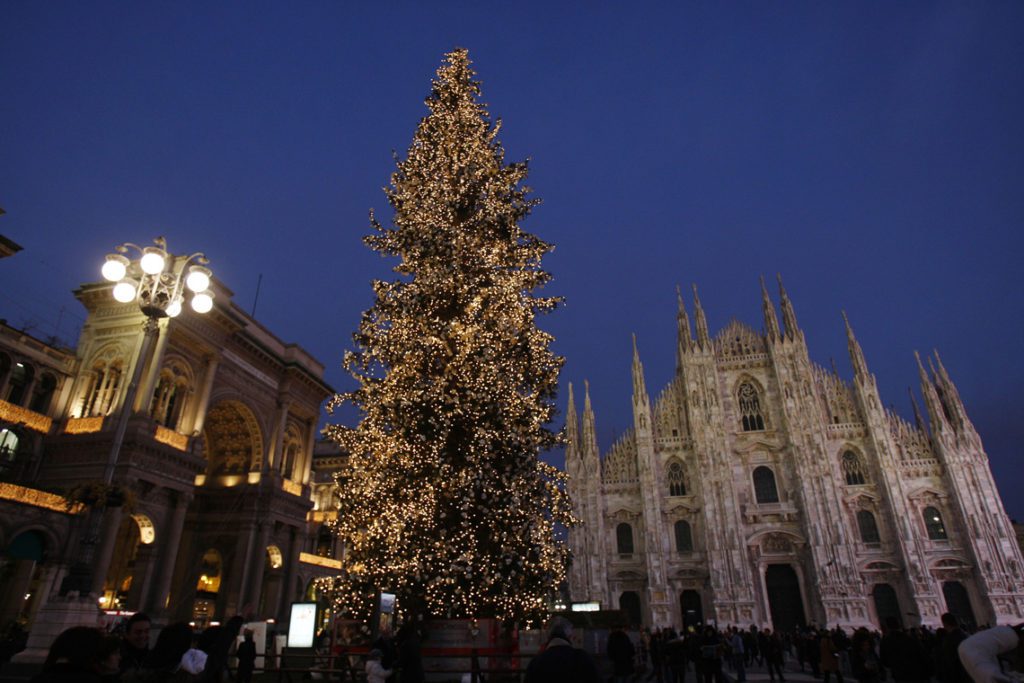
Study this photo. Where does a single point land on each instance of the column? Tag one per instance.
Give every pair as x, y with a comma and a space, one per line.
142, 576
284, 596
258, 562
108, 538
145, 397
274, 456
236, 589
199, 417
307, 465
172, 539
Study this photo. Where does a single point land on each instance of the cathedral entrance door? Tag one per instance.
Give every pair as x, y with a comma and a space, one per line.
886, 603
691, 608
784, 598
959, 604
629, 602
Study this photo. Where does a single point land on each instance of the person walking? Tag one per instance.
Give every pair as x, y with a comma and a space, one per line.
829, 658
738, 655
621, 653
246, 657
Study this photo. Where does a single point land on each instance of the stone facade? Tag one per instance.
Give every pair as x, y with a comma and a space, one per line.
216, 461
760, 488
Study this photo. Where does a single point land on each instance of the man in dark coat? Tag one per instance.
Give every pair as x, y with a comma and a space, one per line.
903, 655
560, 662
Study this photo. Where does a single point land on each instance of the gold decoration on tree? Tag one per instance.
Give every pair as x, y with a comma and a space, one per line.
443, 500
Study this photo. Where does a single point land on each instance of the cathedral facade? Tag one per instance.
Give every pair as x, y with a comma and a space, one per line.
760, 488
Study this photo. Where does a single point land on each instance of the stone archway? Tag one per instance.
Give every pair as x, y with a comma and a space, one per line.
232, 441
629, 603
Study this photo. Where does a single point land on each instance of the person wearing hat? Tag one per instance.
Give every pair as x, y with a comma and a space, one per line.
375, 672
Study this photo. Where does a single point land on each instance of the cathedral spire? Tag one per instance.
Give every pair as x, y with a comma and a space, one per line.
639, 386
788, 314
683, 323
860, 366
931, 398
918, 420
572, 426
703, 340
951, 397
589, 449
771, 323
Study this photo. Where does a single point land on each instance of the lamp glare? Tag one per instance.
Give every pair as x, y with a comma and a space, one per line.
174, 309
115, 267
124, 291
202, 302
198, 278
152, 261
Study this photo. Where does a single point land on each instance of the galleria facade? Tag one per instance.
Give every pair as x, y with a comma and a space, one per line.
760, 488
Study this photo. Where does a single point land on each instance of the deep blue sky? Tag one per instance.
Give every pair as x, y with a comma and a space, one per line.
873, 153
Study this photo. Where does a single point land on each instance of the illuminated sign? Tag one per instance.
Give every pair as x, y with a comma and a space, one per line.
302, 625
586, 607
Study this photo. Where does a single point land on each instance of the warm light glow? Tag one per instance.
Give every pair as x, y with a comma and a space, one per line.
275, 557
171, 438
125, 291
292, 487
254, 477
84, 425
202, 302
23, 416
147, 532
174, 309
115, 267
37, 498
153, 260
198, 278
310, 558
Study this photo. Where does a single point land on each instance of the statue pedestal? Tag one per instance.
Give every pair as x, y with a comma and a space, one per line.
58, 614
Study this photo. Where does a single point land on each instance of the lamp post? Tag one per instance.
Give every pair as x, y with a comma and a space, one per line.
159, 283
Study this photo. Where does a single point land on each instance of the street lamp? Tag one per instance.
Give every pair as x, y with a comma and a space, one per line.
159, 283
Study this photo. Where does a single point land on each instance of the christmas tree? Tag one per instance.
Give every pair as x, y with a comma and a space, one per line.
444, 501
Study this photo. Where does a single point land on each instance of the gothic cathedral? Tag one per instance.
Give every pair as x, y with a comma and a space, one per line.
760, 488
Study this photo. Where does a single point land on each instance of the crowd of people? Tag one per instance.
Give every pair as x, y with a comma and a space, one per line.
916, 655
90, 655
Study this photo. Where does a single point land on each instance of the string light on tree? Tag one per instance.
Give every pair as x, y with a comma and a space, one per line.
444, 499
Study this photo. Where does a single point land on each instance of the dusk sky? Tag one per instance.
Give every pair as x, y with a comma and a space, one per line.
872, 153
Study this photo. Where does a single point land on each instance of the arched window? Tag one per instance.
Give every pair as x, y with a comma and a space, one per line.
8, 445
21, 377
324, 542
624, 539
105, 382
933, 524
684, 537
171, 392
765, 490
42, 394
853, 469
868, 527
676, 480
750, 408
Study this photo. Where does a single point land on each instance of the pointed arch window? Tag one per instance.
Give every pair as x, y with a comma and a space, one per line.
868, 527
624, 539
684, 537
853, 469
933, 524
750, 408
765, 490
676, 479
